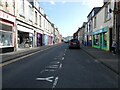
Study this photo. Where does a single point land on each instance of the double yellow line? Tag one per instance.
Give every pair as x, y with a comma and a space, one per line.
17, 59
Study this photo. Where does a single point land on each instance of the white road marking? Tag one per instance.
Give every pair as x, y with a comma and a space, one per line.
47, 70
64, 54
46, 79
65, 50
54, 65
96, 61
55, 58
63, 58
55, 62
42, 71
55, 82
60, 66
51, 67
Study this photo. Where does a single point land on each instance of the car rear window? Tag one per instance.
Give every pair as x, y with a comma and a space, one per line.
74, 40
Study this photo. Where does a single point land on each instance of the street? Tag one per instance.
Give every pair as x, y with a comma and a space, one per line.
58, 67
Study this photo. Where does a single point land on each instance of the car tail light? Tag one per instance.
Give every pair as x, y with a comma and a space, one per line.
71, 43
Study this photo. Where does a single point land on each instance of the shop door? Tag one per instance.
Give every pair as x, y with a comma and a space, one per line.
119, 40
110, 35
101, 41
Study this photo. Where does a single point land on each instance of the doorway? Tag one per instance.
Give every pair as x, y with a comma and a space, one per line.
101, 41
110, 35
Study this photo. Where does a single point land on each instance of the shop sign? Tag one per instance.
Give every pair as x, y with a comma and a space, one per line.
7, 16
100, 31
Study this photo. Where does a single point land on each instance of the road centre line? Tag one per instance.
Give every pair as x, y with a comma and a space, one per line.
60, 66
63, 58
55, 82
17, 59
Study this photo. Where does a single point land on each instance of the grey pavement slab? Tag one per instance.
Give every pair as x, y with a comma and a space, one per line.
105, 57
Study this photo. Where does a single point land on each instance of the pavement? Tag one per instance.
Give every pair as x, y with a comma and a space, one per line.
107, 58
20, 52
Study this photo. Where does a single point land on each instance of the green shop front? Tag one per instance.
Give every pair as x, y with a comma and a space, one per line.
100, 39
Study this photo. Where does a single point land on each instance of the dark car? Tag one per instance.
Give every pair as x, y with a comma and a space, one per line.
74, 43
67, 41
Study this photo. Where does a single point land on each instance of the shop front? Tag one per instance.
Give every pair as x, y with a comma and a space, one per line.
39, 39
49, 39
25, 37
45, 40
100, 39
7, 32
89, 39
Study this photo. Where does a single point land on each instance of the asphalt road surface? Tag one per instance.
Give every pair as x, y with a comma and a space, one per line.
58, 67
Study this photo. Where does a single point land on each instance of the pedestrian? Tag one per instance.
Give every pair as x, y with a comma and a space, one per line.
114, 47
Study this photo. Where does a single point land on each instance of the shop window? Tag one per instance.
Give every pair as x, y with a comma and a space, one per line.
5, 38
5, 27
96, 39
105, 39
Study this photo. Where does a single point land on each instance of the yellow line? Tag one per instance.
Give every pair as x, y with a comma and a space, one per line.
17, 59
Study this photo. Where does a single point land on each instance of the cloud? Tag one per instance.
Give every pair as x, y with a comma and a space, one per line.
63, 2
52, 2
91, 3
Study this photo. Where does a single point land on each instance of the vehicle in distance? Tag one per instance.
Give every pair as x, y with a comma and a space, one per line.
74, 43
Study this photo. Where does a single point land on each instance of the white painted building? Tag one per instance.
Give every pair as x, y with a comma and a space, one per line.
103, 31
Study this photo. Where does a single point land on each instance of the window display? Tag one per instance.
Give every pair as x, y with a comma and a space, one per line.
5, 38
96, 39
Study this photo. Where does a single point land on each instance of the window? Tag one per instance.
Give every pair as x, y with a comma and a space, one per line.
30, 12
119, 5
1, 3
95, 22
35, 17
44, 24
21, 7
5, 38
107, 12
96, 39
40, 20
105, 39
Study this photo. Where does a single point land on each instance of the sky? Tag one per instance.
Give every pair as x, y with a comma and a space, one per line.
68, 15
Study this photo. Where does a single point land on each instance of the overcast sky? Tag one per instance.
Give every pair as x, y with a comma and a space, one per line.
68, 15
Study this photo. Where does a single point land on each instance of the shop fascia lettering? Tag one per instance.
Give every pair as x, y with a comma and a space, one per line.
7, 16
100, 31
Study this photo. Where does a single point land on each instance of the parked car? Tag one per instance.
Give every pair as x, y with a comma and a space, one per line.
74, 43
67, 41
